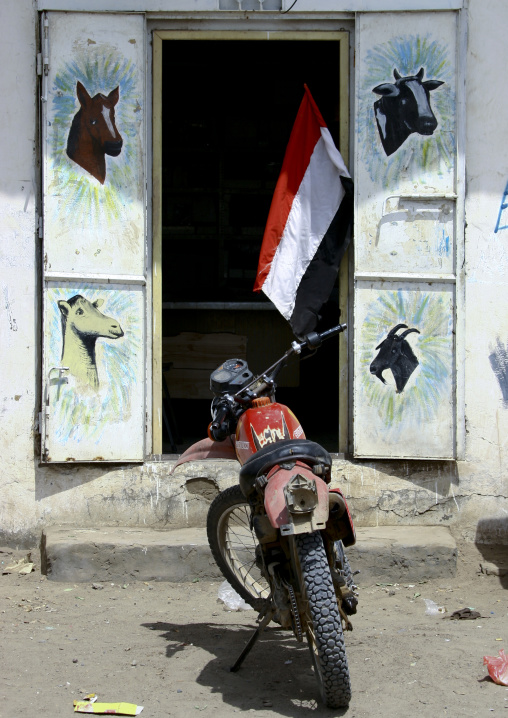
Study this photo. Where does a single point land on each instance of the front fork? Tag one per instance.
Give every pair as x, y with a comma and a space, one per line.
287, 603
280, 564
291, 500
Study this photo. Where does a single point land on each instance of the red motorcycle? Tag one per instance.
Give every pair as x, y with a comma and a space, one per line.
278, 537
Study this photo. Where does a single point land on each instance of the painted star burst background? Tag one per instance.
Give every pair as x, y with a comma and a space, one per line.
83, 198
78, 415
418, 155
428, 312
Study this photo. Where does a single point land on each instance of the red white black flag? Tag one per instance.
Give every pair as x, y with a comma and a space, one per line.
306, 233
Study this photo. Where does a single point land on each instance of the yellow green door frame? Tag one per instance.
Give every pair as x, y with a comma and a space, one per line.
158, 38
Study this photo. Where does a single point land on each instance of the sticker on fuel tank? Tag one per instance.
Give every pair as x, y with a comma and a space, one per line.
269, 435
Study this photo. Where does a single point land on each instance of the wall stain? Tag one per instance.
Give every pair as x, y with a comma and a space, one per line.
12, 322
498, 359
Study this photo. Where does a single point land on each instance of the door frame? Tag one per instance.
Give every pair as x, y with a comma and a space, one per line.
158, 37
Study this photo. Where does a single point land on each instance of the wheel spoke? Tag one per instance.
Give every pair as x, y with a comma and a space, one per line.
236, 543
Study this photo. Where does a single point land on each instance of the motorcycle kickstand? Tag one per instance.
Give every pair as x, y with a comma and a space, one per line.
259, 630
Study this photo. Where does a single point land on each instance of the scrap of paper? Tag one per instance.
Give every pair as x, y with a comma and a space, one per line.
117, 709
24, 565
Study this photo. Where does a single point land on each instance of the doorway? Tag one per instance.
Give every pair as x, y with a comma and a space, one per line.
227, 106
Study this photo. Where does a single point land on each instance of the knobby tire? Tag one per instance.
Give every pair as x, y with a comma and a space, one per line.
324, 629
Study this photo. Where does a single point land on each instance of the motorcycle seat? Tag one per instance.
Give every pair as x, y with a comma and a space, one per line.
281, 452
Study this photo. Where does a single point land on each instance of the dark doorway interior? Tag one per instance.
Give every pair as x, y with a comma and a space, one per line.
227, 113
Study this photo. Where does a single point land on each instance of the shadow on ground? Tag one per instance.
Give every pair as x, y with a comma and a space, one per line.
491, 540
277, 674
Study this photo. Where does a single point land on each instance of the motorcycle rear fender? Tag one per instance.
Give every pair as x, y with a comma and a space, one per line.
275, 503
207, 449
340, 522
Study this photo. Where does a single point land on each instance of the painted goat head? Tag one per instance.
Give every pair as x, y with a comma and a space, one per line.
395, 353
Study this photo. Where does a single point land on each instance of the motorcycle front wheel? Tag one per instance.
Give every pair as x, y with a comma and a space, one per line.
233, 545
323, 621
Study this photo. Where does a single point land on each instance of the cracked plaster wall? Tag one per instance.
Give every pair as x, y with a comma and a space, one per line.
471, 496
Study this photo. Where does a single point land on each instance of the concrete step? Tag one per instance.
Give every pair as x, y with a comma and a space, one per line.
390, 554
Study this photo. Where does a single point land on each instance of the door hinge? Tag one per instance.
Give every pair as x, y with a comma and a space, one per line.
43, 58
41, 228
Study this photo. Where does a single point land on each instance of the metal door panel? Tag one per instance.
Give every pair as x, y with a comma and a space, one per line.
94, 227
94, 372
414, 419
94, 237
408, 235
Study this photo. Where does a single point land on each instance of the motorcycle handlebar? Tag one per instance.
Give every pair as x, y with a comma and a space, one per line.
314, 340
333, 331
266, 380
218, 429
222, 411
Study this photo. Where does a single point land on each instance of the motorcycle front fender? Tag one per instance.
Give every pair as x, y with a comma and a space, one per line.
207, 449
277, 510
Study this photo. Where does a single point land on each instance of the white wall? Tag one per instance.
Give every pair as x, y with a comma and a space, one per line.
473, 492
19, 338
485, 473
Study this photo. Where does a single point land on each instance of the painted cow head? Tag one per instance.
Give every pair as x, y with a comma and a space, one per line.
404, 108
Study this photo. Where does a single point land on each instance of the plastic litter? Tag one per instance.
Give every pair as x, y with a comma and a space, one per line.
432, 608
497, 667
231, 600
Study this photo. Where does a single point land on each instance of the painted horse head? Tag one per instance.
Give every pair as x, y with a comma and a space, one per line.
93, 132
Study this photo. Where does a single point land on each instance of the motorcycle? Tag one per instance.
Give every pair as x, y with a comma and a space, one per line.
278, 536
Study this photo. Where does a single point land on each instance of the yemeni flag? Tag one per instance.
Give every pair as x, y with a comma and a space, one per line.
306, 233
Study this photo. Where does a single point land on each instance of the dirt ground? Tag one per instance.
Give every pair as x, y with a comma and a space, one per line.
168, 647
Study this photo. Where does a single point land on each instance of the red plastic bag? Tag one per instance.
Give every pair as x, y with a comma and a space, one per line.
497, 667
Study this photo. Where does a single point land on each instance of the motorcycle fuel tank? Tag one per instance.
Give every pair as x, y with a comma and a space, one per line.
265, 423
